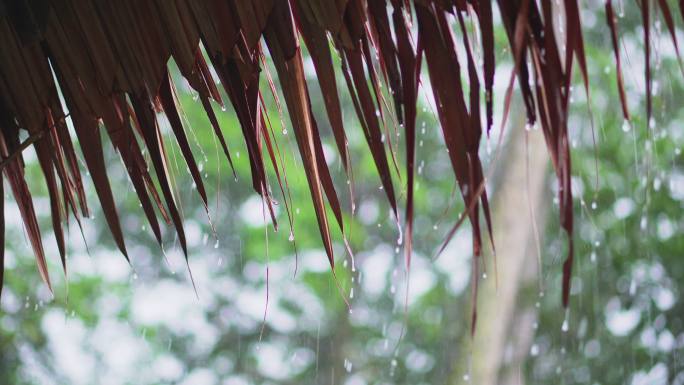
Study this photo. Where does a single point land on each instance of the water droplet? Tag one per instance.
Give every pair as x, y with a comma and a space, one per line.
594, 205
632, 287
626, 126
291, 237
565, 327
347, 365
466, 377
657, 183
284, 131
216, 244
534, 350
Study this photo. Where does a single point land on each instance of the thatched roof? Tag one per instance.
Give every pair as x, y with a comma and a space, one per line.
110, 60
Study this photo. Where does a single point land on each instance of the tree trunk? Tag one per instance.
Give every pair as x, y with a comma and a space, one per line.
504, 325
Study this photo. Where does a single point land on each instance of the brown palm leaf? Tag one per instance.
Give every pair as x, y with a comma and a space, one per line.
110, 63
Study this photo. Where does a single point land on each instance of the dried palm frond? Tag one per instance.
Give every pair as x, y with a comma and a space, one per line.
110, 64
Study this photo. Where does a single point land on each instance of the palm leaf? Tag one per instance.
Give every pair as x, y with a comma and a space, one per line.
110, 61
